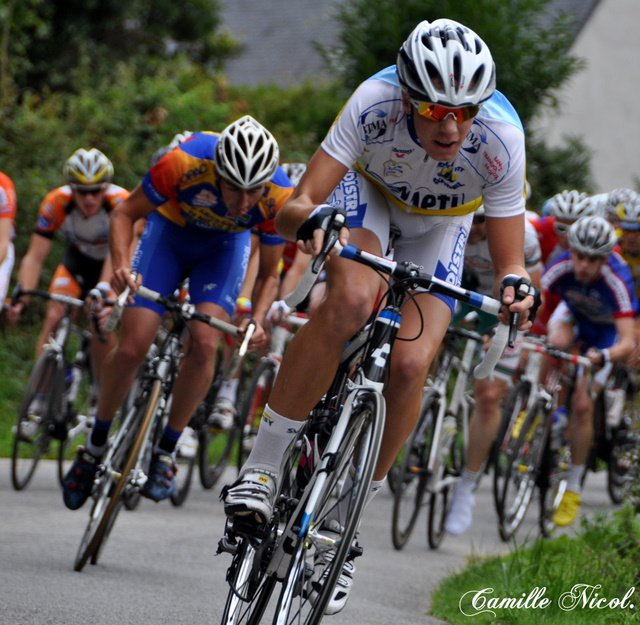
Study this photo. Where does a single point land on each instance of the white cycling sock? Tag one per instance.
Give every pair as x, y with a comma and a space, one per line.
469, 479
274, 436
574, 477
228, 390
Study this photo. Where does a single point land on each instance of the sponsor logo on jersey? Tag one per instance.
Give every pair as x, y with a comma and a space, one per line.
399, 153
476, 137
493, 165
351, 193
448, 176
454, 268
192, 174
374, 125
425, 198
204, 198
393, 169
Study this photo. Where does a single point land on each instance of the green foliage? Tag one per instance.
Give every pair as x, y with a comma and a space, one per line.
46, 39
550, 170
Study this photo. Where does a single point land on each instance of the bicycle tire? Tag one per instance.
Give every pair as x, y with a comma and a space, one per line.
522, 472
77, 426
514, 408
411, 477
552, 485
33, 433
184, 475
100, 525
624, 446
252, 405
440, 500
303, 600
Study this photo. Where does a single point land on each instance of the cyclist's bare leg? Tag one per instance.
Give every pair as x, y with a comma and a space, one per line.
55, 312
312, 357
410, 364
137, 331
99, 350
485, 421
196, 370
581, 423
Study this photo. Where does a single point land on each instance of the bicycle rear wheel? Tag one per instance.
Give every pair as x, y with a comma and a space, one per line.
513, 415
35, 425
308, 583
524, 455
108, 494
411, 476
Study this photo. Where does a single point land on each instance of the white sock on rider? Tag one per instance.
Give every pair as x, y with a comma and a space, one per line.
274, 436
574, 477
469, 479
228, 390
341, 511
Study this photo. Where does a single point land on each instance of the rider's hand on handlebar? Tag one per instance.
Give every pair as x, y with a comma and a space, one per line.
519, 297
259, 338
122, 278
311, 234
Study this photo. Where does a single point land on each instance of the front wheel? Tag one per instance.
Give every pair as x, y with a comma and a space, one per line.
411, 476
521, 468
318, 555
36, 421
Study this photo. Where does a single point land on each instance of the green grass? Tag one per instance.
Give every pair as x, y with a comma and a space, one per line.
606, 551
16, 360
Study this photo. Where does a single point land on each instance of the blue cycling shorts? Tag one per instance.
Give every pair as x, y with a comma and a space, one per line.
215, 262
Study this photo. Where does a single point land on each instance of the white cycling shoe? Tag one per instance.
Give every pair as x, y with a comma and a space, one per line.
251, 496
321, 560
460, 515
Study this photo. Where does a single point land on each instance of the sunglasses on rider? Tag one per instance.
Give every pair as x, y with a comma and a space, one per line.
88, 190
561, 228
437, 112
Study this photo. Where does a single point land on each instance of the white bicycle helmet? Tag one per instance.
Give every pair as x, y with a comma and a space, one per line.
617, 197
294, 171
88, 167
444, 62
246, 154
592, 235
570, 205
628, 213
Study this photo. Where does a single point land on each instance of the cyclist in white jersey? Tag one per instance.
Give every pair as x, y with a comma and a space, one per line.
419, 146
488, 393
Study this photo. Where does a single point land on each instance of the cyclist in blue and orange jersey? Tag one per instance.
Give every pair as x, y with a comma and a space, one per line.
488, 393
200, 201
81, 211
596, 310
8, 208
563, 209
420, 146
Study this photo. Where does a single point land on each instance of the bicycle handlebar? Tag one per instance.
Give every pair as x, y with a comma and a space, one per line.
544, 348
19, 292
410, 272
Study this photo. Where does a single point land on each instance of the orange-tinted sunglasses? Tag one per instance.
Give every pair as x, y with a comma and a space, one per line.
437, 112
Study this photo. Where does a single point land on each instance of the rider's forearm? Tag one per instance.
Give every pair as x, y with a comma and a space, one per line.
120, 239
265, 295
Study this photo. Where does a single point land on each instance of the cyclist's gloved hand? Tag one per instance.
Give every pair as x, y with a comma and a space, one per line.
279, 309
243, 307
522, 288
319, 219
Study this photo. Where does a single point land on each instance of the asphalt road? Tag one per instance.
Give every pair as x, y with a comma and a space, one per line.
159, 567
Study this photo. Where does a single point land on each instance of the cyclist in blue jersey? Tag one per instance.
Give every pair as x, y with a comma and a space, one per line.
419, 146
593, 288
200, 201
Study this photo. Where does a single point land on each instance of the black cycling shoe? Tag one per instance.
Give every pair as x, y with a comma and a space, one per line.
78, 482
